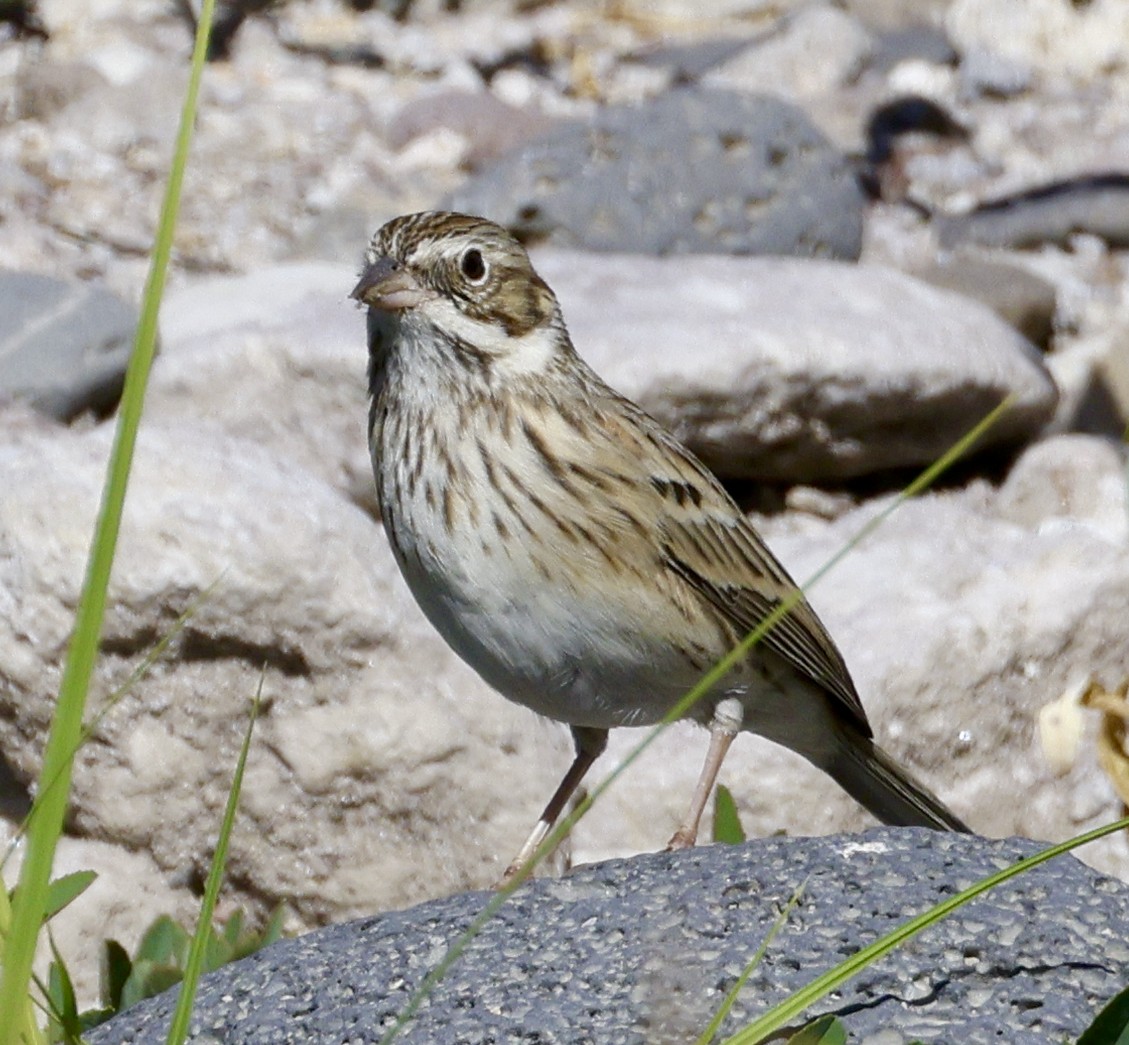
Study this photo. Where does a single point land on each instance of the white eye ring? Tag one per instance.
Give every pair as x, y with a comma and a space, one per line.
473, 265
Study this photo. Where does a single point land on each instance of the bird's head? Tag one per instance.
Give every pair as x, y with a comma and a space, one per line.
464, 278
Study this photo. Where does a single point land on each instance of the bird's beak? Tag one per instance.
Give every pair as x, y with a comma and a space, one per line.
387, 285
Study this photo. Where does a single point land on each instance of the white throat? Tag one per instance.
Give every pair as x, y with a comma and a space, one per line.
511, 357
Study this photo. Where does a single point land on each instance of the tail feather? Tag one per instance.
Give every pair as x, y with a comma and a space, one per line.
874, 779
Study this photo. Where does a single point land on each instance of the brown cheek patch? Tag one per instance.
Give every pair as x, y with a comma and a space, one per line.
522, 302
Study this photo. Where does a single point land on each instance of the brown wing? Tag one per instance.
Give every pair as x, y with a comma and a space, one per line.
713, 549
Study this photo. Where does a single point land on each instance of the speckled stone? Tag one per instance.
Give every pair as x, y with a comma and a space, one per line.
643, 950
693, 171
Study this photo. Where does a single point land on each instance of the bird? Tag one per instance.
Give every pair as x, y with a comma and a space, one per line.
568, 548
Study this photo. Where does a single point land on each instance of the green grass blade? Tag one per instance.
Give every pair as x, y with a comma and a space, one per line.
64, 1020
727, 827
731, 996
66, 726
194, 967
65, 890
705, 684
827, 1030
17, 1023
1111, 1027
794, 1005
116, 967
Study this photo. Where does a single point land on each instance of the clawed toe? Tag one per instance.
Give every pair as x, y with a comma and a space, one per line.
681, 839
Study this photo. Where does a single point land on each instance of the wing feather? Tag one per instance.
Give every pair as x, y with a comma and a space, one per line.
710, 546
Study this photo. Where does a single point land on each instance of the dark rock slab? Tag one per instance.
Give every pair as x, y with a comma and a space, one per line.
693, 171
643, 950
64, 347
920, 41
1096, 204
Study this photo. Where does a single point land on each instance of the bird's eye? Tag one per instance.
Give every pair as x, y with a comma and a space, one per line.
473, 265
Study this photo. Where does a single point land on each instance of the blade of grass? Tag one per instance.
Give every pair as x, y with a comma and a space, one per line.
726, 823
63, 1015
827, 1030
66, 726
19, 1021
178, 1028
731, 996
65, 890
704, 685
792, 1006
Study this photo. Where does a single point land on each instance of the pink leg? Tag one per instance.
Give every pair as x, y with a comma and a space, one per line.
723, 729
590, 744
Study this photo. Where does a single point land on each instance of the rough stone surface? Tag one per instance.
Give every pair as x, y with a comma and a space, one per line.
276, 357
691, 172
1050, 35
313, 97
1045, 214
643, 951
490, 126
63, 346
781, 63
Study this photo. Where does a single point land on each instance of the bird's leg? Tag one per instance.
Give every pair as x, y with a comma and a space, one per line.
724, 728
590, 744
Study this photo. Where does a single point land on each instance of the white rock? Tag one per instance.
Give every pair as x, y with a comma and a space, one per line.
1055, 36
766, 367
278, 357
1068, 482
818, 49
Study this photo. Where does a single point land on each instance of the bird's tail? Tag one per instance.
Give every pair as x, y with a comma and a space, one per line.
875, 780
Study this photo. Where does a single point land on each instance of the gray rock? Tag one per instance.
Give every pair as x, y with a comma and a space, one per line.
895, 15
64, 347
1097, 204
688, 62
1016, 294
983, 71
798, 371
490, 126
643, 951
917, 40
45, 88
691, 171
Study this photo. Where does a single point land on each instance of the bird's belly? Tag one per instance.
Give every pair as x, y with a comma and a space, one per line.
564, 651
